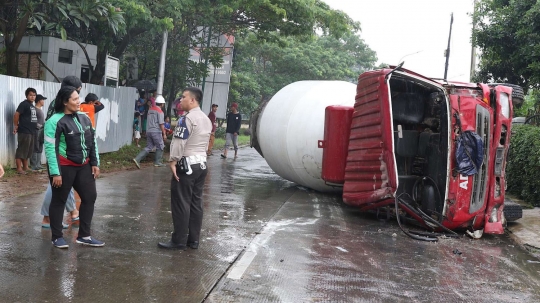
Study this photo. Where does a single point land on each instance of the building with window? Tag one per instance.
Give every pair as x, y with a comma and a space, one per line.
64, 58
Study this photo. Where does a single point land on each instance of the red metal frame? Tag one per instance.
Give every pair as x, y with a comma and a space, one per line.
370, 173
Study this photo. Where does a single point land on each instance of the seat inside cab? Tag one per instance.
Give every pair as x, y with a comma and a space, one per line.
420, 120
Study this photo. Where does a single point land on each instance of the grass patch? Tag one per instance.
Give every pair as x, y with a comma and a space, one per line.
219, 143
9, 172
121, 158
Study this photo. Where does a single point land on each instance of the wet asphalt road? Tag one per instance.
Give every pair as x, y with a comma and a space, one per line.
263, 240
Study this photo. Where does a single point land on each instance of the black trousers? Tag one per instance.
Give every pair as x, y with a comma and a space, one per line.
186, 205
82, 180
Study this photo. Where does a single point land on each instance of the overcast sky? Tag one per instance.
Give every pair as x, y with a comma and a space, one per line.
399, 28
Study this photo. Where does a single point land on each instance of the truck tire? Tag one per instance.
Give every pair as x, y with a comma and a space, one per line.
533, 120
512, 211
517, 93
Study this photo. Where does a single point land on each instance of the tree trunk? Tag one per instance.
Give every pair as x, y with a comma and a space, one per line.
90, 67
172, 95
99, 70
11, 60
12, 45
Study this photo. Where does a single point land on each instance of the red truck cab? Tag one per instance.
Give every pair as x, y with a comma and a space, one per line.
402, 145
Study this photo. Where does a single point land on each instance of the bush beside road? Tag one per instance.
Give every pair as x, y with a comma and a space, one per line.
523, 167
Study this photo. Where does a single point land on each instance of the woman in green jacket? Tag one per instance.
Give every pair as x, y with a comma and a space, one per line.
73, 161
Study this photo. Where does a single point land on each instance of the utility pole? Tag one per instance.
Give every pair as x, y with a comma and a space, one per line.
161, 74
206, 60
447, 53
473, 48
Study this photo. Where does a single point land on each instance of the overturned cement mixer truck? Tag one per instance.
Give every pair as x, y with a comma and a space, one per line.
428, 150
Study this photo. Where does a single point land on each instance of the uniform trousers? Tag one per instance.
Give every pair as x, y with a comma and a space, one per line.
82, 180
186, 205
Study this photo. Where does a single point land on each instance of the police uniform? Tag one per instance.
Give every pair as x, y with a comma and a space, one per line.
190, 140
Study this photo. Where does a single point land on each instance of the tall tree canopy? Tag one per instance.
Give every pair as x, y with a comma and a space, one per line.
52, 17
508, 34
263, 19
83, 20
262, 69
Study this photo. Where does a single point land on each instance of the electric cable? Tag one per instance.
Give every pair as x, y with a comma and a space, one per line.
408, 232
419, 235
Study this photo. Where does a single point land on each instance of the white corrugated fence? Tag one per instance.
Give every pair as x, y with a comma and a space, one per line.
113, 124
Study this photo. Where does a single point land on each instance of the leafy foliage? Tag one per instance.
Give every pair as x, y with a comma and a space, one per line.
118, 27
508, 35
262, 19
56, 18
530, 106
263, 68
523, 167
220, 132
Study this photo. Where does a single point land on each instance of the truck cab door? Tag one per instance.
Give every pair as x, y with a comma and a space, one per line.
370, 173
503, 112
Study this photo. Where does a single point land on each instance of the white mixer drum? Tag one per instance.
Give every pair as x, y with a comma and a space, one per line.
291, 124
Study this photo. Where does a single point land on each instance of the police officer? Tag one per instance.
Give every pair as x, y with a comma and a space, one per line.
190, 140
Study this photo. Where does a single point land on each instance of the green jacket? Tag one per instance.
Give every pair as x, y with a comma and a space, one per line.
72, 137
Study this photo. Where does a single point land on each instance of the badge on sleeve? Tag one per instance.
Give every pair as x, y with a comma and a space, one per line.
181, 131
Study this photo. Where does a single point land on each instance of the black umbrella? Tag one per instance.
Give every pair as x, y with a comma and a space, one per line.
145, 85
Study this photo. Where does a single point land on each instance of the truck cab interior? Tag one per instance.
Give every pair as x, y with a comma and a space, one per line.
420, 123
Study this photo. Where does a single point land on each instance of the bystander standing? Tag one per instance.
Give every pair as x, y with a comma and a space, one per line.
25, 125
212, 117
188, 146
234, 121
91, 107
136, 132
155, 134
70, 130
71, 206
35, 161
167, 126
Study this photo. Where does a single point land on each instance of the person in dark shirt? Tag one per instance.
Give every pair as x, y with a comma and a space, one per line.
35, 161
144, 116
67, 81
234, 121
25, 125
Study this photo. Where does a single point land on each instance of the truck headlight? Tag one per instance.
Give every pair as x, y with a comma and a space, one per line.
493, 217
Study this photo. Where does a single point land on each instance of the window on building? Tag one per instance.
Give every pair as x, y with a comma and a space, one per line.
65, 56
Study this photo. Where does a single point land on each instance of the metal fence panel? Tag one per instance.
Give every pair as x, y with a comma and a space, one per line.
113, 124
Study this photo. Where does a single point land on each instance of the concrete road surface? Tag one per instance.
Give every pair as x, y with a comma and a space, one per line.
264, 240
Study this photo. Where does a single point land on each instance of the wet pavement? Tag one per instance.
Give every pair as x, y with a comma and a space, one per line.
263, 240
526, 230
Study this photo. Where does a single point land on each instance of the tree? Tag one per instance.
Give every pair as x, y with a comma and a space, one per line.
507, 34
262, 69
51, 17
299, 18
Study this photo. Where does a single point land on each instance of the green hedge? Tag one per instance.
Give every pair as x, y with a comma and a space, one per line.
523, 167
220, 132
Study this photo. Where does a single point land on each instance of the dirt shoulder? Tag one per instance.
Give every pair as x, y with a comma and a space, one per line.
14, 185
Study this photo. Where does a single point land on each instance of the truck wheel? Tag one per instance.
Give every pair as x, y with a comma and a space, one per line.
517, 93
533, 120
512, 211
